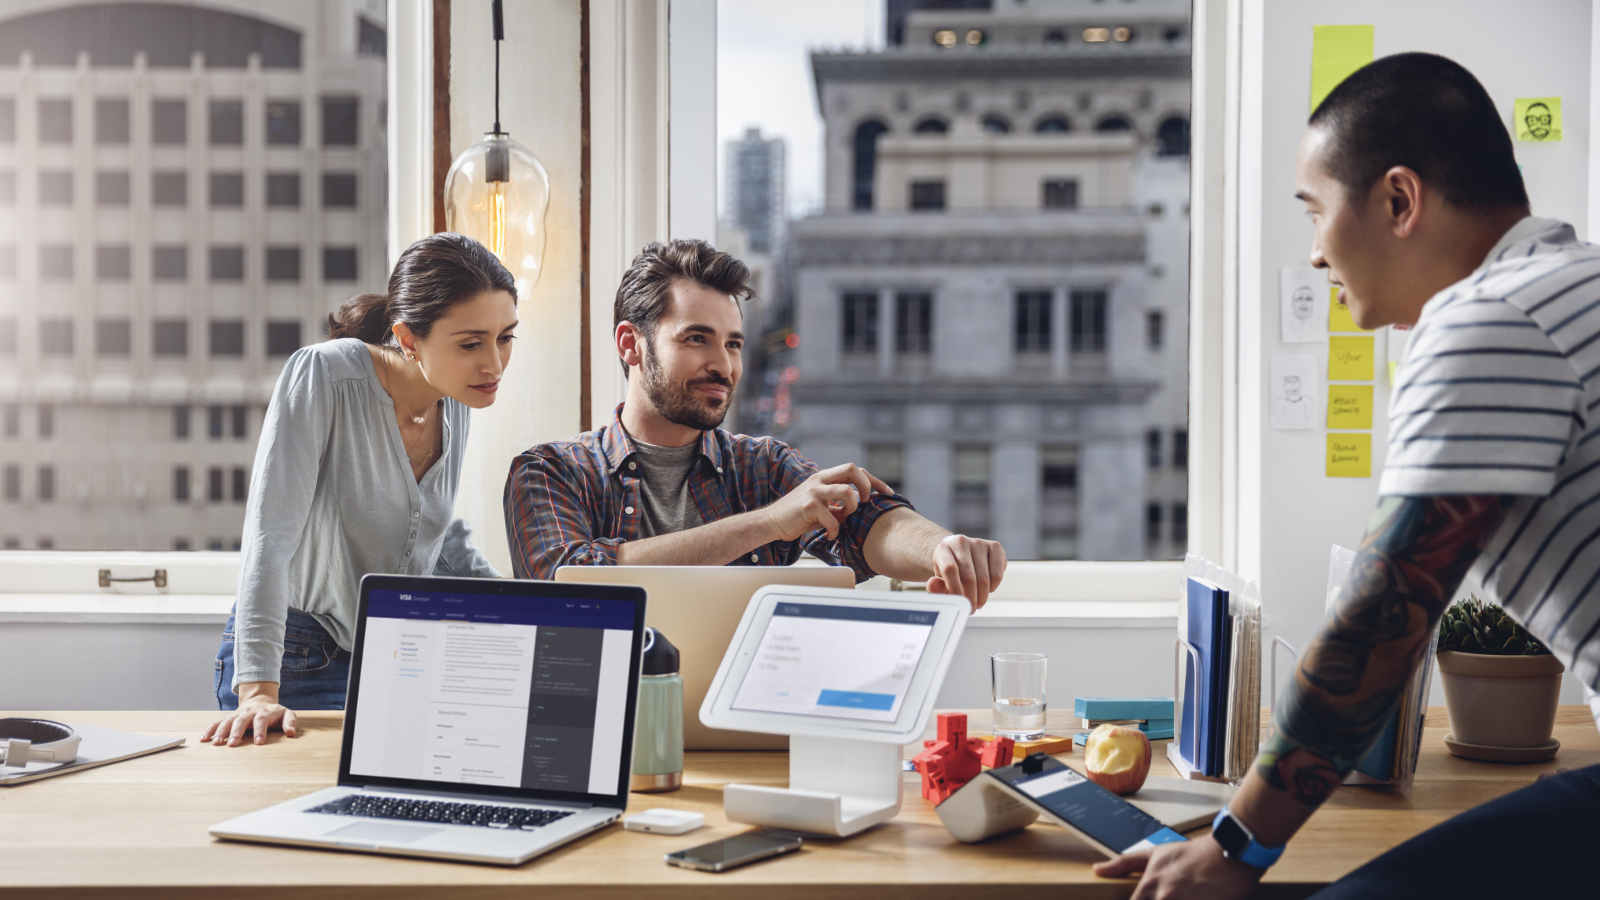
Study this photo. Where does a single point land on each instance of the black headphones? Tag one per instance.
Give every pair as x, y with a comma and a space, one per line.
37, 740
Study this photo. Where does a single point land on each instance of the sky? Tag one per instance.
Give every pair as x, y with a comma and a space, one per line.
764, 76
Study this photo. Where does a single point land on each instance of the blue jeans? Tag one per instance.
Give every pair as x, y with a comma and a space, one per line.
1535, 842
315, 673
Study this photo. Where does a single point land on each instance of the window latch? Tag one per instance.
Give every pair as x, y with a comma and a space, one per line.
159, 577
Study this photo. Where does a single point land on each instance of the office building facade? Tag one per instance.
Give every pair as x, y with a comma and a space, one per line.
992, 307
186, 191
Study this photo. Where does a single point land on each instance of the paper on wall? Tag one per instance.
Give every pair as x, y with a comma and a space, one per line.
1537, 120
1349, 454
1293, 390
1336, 51
1303, 304
1349, 406
1351, 358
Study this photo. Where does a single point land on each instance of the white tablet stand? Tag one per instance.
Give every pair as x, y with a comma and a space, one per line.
837, 786
844, 773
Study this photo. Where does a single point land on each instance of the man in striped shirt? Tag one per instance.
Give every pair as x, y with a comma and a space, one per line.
664, 484
1421, 218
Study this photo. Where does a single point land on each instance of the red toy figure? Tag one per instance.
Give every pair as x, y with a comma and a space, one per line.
955, 759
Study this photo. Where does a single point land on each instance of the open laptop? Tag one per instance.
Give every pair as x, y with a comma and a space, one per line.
698, 609
487, 720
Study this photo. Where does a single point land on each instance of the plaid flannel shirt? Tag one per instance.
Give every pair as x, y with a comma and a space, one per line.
571, 503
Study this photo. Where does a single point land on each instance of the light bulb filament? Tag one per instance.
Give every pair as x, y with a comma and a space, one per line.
497, 219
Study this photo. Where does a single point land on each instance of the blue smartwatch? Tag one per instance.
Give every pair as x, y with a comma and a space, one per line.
1238, 843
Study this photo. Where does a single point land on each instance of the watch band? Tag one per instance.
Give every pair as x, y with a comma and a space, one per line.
1239, 843
37, 740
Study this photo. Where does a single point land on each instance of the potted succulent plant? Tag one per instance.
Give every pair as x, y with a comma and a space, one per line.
1500, 685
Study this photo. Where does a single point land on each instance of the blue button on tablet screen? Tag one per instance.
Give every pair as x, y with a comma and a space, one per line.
855, 700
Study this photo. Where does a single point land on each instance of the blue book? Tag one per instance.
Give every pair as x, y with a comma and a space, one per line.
1205, 689
1122, 708
1081, 738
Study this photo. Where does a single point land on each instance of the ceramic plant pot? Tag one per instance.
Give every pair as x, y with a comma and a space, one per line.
1500, 701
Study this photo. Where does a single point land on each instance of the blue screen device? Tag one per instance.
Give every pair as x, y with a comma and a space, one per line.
1042, 785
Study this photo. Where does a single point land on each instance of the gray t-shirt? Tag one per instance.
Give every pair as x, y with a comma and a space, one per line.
664, 488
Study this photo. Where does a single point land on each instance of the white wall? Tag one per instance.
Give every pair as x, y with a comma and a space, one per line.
1285, 531
541, 106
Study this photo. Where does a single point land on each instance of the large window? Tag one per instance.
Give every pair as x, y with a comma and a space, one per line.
232, 169
1043, 342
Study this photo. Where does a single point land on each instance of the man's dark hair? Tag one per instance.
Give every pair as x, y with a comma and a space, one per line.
642, 295
1429, 114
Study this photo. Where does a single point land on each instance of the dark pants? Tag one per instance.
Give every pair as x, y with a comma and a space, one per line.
315, 670
1535, 842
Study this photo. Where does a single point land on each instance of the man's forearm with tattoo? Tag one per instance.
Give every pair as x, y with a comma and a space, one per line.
1414, 556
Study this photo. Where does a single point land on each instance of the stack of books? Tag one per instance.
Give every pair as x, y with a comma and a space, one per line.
1151, 715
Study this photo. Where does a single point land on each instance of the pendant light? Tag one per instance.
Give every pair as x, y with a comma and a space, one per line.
497, 191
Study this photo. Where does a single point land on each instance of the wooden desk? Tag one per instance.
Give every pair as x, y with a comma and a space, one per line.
138, 829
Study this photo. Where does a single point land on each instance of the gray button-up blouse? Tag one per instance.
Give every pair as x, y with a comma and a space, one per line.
333, 497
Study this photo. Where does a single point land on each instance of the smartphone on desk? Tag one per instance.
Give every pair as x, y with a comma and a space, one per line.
730, 853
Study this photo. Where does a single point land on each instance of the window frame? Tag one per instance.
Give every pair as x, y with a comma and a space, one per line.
1213, 332
629, 111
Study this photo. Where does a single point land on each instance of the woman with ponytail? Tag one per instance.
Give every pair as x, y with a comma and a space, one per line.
356, 472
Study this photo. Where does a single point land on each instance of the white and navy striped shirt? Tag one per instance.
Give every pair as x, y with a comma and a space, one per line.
1499, 393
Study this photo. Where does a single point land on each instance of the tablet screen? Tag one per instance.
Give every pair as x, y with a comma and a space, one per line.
841, 662
1088, 807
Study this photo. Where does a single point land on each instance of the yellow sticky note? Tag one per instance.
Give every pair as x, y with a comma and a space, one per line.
1339, 318
1336, 51
1538, 119
1350, 358
1349, 406
1394, 373
1350, 455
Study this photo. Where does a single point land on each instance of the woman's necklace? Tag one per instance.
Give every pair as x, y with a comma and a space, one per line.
415, 420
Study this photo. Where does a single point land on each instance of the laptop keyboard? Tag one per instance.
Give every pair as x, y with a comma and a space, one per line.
441, 811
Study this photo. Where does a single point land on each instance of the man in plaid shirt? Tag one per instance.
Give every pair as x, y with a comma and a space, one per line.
663, 484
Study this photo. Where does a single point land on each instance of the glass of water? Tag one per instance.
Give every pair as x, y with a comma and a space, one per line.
1018, 680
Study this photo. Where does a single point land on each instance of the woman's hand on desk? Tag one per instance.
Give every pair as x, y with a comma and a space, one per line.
258, 713
1194, 868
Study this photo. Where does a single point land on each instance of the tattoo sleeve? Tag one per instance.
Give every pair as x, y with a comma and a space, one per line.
1414, 556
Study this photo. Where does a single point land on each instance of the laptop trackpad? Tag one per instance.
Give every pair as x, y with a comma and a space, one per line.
382, 833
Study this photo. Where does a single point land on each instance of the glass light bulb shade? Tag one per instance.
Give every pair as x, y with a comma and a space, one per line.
497, 193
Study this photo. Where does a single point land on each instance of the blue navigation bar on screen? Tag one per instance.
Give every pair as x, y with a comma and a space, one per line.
855, 700
503, 609
857, 613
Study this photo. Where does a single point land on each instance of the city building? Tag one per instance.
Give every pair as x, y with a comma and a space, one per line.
755, 188
186, 191
991, 309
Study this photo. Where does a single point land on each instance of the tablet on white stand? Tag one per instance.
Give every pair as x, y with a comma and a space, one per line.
851, 677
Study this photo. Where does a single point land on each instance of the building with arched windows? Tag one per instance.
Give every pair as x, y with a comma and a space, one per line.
992, 306
186, 191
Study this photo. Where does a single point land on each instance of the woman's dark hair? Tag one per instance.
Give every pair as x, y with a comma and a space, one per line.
1428, 113
432, 275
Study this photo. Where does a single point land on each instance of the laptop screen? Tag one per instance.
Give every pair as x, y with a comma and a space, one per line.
508, 691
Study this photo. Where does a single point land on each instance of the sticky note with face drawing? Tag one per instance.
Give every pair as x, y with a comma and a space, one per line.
1350, 455
1336, 51
1339, 318
1350, 358
1349, 406
1537, 120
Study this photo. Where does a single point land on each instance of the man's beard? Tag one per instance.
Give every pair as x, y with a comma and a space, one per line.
678, 403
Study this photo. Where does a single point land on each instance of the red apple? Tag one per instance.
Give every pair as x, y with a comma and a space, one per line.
1117, 757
